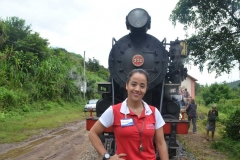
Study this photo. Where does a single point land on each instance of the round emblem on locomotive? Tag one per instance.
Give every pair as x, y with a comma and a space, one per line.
137, 60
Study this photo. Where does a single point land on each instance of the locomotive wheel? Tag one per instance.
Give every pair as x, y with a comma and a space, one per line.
172, 110
102, 105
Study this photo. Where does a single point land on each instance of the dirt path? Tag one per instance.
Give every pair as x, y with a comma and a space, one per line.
69, 142
200, 147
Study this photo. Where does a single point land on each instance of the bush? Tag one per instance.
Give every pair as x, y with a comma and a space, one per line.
232, 129
228, 146
216, 92
8, 98
26, 108
234, 102
227, 108
11, 99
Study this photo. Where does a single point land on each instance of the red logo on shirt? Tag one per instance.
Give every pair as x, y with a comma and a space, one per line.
150, 126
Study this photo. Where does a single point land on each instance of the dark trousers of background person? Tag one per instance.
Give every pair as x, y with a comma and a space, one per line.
193, 119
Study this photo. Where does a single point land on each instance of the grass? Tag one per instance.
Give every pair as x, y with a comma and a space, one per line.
17, 126
220, 149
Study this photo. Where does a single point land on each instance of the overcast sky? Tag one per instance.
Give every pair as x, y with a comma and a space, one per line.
89, 25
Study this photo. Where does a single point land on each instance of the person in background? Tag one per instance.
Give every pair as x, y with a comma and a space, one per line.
183, 103
182, 93
186, 93
135, 124
211, 122
187, 102
192, 115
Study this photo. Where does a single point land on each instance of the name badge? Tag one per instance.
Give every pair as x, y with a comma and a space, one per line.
126, 122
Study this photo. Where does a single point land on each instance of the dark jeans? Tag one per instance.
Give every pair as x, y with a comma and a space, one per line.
193, 119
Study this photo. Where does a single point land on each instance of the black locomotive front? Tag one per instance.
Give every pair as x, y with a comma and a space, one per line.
138, 51
166, 71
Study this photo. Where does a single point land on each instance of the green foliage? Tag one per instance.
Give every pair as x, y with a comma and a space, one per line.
226, 116
32, 72
236, 92
2, 116
92, 85
222, 95
18, 125
215, 92
104, 74
37, 82
10, 99
93, 65
216, 39
224, 109
233, 126
20, 36
3, 35
233, 102
26, 108
226, 146
197, 87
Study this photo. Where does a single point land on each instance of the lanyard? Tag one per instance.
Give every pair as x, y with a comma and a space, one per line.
140, 133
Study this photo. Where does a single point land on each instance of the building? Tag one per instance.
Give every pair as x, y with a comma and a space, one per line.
189, 84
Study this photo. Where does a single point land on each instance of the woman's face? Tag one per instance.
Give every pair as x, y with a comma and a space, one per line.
136, 87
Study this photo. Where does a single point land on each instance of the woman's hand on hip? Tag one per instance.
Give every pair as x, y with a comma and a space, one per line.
117, 156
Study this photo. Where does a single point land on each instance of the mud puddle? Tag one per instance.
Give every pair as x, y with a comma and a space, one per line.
31, 146
59, 144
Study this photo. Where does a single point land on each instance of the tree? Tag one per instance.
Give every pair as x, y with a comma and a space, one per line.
2, 33
93, 65
197, 88
20, 36
233, 126
217, 25
215, 92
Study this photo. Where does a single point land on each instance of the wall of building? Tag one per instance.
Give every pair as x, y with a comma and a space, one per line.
188, 83
192, 91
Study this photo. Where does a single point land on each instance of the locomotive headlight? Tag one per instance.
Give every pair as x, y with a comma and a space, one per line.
184, 50
138, 20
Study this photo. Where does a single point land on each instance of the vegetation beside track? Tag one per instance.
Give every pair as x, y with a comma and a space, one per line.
17, 126
222, 148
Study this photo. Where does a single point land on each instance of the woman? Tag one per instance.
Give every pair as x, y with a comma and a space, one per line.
135, 123
192, 115
211, 125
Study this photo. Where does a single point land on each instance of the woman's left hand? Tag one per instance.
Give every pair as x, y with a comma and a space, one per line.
118, 156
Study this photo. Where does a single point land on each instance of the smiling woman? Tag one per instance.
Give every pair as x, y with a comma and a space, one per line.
90, 104
135, 124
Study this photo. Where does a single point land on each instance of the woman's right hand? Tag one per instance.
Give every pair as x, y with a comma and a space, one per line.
118, 156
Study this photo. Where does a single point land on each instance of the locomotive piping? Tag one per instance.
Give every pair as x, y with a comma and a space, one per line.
161, 100
113, 40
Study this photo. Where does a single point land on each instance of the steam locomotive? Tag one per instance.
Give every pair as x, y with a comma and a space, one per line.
166, 72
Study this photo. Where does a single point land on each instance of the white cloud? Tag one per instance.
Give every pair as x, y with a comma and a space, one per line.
89, 25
